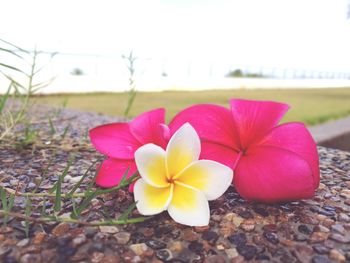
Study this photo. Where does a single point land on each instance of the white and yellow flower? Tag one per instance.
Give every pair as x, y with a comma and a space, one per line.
175, 180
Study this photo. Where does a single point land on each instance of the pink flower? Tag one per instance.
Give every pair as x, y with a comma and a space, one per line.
272, 162
119, 141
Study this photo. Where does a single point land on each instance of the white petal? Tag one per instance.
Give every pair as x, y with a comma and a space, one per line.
189, 206
150, 162
151, 200
212, 178
183, 148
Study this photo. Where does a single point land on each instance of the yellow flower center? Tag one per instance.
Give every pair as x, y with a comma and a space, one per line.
171, 180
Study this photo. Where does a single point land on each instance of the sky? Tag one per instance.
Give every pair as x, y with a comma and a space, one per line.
306, 34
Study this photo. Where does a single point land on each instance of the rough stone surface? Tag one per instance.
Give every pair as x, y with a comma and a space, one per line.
315, 230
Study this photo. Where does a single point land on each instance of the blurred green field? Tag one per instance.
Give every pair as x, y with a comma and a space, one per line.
312, 106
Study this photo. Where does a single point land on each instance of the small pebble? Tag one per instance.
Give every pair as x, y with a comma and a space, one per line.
96, 247
304, 229
321, 259
90, 231
201, 229
196, 247
61, 229
338, 228
247, 251
238, 239
317, 237
138, 249
337, 255
164, 254
271, 237
189, 235
210, 236
176, 246
343, 218
79, 240
122, 237
339, 238
231, 253
5, 250
30, 258
184, 256
320, 249
97, 257
109, 229
248, 225
23, 242
155, 244
39, 238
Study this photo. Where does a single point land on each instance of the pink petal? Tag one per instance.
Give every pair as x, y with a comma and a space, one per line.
149, 127
112, 170
213, 123
270, 174
254, 119
219, 153
114, 140
296, 138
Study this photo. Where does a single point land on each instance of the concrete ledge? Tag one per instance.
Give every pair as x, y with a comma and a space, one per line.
333, 134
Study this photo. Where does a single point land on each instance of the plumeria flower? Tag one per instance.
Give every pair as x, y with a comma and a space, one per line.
175, 180
272, 162
119, 141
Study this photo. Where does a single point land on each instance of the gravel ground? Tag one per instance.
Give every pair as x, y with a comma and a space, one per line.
316, 230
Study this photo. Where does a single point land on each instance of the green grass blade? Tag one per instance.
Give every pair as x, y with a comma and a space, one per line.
3, 198
125, 215
15, 83
77, 185
13, 45
64, 173
52, 127
28, 212
12, 52
84, 204
43, 208
4, 98
11, 201
65, 131
58, 197
74, 214
123, 179
11, 67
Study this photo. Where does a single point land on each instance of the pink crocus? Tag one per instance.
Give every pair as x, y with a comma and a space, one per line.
119, 141
271, 162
